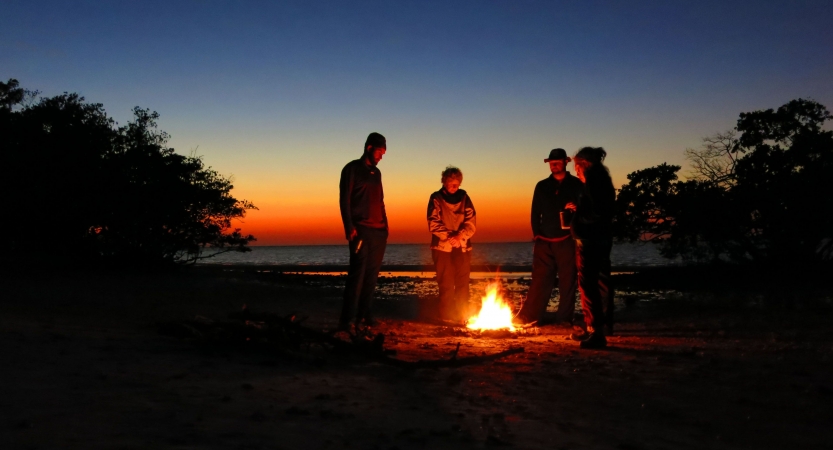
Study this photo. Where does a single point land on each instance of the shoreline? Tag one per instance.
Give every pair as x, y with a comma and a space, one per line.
391, 268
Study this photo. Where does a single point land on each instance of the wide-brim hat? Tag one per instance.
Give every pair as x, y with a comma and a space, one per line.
558, 153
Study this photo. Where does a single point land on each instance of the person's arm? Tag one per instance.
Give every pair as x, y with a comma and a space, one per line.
585, 211
435, 219
345, 188
469, 225
535, 218
384, 211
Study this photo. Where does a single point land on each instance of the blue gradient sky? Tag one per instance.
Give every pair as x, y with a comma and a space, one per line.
281, 95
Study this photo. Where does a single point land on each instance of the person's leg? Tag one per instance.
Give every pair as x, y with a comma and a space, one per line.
377, 243
565, 257
543, 280
462, 271
445, 282
606, 286
355, 278
589, 265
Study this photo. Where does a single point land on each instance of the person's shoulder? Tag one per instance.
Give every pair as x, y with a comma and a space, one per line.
353, 163
572, 179
545, 181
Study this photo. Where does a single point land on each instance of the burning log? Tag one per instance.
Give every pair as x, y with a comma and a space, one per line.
495, 313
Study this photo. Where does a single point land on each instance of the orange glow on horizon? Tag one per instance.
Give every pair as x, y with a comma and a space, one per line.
505, 220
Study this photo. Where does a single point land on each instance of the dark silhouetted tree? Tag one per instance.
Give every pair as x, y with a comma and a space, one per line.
83, 188
758, 193
784, 180
715, 160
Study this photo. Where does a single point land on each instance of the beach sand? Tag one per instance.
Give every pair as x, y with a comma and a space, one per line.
85, 367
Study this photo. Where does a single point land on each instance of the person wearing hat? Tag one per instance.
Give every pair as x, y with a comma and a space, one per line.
554, 253
362, 204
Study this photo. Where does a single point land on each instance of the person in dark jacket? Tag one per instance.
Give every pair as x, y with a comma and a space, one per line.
362, 204
452, 221
592, 230
554, 251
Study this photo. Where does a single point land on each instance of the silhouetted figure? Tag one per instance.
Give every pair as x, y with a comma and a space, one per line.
592, 230
555, 250
362, 204
452, 222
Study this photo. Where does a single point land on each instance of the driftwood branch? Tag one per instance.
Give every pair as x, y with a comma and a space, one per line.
287, 333
454, 361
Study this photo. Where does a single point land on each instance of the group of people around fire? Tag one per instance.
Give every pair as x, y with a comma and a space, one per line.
571, 222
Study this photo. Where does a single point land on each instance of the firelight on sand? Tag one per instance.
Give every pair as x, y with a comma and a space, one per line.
495, 313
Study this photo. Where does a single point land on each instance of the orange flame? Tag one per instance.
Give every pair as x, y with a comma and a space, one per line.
495, 313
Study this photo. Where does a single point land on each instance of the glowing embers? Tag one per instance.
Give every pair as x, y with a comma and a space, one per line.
495, 313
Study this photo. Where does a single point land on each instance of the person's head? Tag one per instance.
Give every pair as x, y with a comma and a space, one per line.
558, 160
452, 179
589, 159
375, 147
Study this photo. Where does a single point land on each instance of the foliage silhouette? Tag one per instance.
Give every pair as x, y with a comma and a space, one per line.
85, 189
760, 192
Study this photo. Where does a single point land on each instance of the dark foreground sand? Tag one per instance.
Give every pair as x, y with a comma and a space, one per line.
83, 366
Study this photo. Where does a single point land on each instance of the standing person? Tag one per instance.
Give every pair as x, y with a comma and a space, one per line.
592, 230
362, 204
452, 222
555, 250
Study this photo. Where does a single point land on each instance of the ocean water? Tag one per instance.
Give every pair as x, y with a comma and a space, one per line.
509, 253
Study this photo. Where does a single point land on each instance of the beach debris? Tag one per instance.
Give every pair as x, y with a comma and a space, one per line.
272, 332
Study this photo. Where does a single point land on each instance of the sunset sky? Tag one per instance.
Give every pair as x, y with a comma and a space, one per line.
281, 95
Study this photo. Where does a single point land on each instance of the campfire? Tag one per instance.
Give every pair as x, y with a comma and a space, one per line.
495, 313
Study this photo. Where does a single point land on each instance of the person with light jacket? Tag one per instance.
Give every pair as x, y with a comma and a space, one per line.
452, 223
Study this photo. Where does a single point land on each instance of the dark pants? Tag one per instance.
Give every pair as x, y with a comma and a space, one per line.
361, 277
549, 258
453, 272
606, 285
593, 262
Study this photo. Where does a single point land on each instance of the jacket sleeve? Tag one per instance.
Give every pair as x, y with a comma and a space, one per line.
535, 217
435, 219
469, 225
384, 211
585, 212
345, 188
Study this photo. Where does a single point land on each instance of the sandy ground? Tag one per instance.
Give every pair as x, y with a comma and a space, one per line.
83, 366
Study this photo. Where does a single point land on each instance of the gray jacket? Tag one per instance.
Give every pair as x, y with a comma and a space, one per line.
451, 215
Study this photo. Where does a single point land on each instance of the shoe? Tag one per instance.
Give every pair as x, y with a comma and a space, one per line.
595, 340
579, 334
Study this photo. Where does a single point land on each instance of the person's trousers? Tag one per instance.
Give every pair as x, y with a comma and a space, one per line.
453, 273
549, 259
592, 261
366, 253
606, 289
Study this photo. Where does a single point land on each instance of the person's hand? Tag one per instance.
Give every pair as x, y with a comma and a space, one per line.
571, 206
353, 234
455, 242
